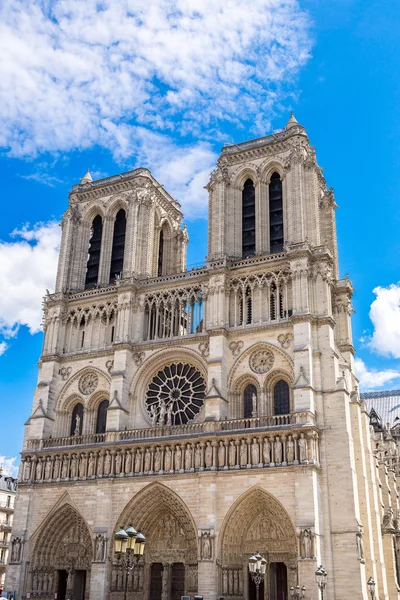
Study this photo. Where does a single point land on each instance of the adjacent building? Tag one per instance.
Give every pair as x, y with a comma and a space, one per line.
215, 408
8, 489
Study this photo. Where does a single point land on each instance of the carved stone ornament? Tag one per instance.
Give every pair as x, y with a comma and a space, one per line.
65, 372
88, 383
204, 348
109, 365
261, 361
285, 339
236, 347
138, 358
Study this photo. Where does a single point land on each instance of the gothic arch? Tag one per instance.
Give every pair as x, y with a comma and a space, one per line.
246, 172
72, 386
91, 212
114, 204
257, 521
269, 168
272, 378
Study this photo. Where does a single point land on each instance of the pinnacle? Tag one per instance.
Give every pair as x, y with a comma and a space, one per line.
87, 178
292, 121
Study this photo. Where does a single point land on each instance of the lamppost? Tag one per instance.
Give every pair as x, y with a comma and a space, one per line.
321, 577
297, 593
257, 568
371, 587
129, 547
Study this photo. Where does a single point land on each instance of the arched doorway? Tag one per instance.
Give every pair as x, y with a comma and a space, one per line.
169, 568
61, 557
257, 522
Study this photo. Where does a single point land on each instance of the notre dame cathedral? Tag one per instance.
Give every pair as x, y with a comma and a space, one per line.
216, 408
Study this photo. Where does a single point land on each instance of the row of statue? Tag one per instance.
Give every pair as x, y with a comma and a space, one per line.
232, 582
168, 458
119, 575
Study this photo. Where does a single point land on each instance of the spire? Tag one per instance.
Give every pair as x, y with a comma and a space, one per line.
292, 121
87, 178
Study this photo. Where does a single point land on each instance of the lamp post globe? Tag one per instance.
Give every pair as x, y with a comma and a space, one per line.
257, 569
129, 548
321, 579
371, 587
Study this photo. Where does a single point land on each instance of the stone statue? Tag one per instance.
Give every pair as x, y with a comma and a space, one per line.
169, 414
360, 545
161, 414
243, 454
47, 471
82, 466
278, 451
157, 460
27, 469
73, 466
99, 548
118, 463
100, 464
91, 465
266, 451
56, 472
306, 544
255, 453
147, 460
107, 463
70, 579
16, 550
253, 405
206, 546
39, 469
138, 461
197, 457
77, 430
290, 450
303, 448
188, 457
168, 459
221, 454
153, 415
128, 462
232, 454
64, 469
208, 455
178, 458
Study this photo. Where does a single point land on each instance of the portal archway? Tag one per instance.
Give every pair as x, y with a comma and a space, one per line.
257, 522
61, 557
169, 567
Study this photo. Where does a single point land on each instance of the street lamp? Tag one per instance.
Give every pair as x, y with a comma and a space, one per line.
371, 587
129, 548
257, 568
321, 577
297, 593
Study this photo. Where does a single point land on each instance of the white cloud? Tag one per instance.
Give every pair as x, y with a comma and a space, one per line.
27, 267
76, 74
9, 465
3, 347
385, 316
372, 379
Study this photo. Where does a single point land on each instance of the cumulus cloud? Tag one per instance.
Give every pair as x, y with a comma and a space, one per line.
385, 316
9, 465
27, 267
373, 379
3, 347
77, 74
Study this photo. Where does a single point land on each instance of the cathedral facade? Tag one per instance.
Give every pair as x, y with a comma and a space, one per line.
216, 409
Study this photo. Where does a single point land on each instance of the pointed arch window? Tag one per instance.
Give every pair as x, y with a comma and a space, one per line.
77, 420
101, 422
275, 214
93, 263
118, 247
248, 401
160, 254
248, 218
281, 398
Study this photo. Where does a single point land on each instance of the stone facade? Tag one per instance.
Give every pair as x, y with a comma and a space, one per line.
8, 546
216, 409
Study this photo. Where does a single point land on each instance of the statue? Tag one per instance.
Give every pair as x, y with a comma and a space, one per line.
128, 462
73, 466
306, 544
209, 453
157, 460
56, 472
82, 466
221, 454
360, 545
232, 454
91, 465
47, 471
138, 460
27, 469
107, 463
290, 450
64, 469
99, 548
266, 452
303, 448
255, 454
169, 414
77, 430
70, 578
206, 546
147, 460
253, 405
197, 457
153, 415
188, 457
178, 458
100, 464
161, 415
243, 454
39, 469
278, 451
118, 463
168, 459
16, 550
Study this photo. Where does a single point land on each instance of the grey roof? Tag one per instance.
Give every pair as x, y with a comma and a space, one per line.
386, 404
7, 483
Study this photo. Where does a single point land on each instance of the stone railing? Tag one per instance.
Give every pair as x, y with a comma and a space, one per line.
174, 431
214, 451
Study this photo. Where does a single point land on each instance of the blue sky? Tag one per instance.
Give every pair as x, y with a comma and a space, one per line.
114, 85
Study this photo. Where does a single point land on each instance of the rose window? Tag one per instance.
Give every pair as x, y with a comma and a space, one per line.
175, 395
88, 383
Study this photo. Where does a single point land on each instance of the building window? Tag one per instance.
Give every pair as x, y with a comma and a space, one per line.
275, 214
281, 398
160, 254
93, 263
77, 420
248, 219
101, 422
118, 247
248, 401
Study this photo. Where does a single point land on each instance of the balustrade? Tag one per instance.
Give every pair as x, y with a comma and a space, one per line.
211, 452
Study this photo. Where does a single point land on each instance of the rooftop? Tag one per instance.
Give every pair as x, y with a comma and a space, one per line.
385, 403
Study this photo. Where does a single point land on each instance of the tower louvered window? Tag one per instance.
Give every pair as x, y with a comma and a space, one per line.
275, 214
93, 263
248, 219
117, 255
281, 398
160, 254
